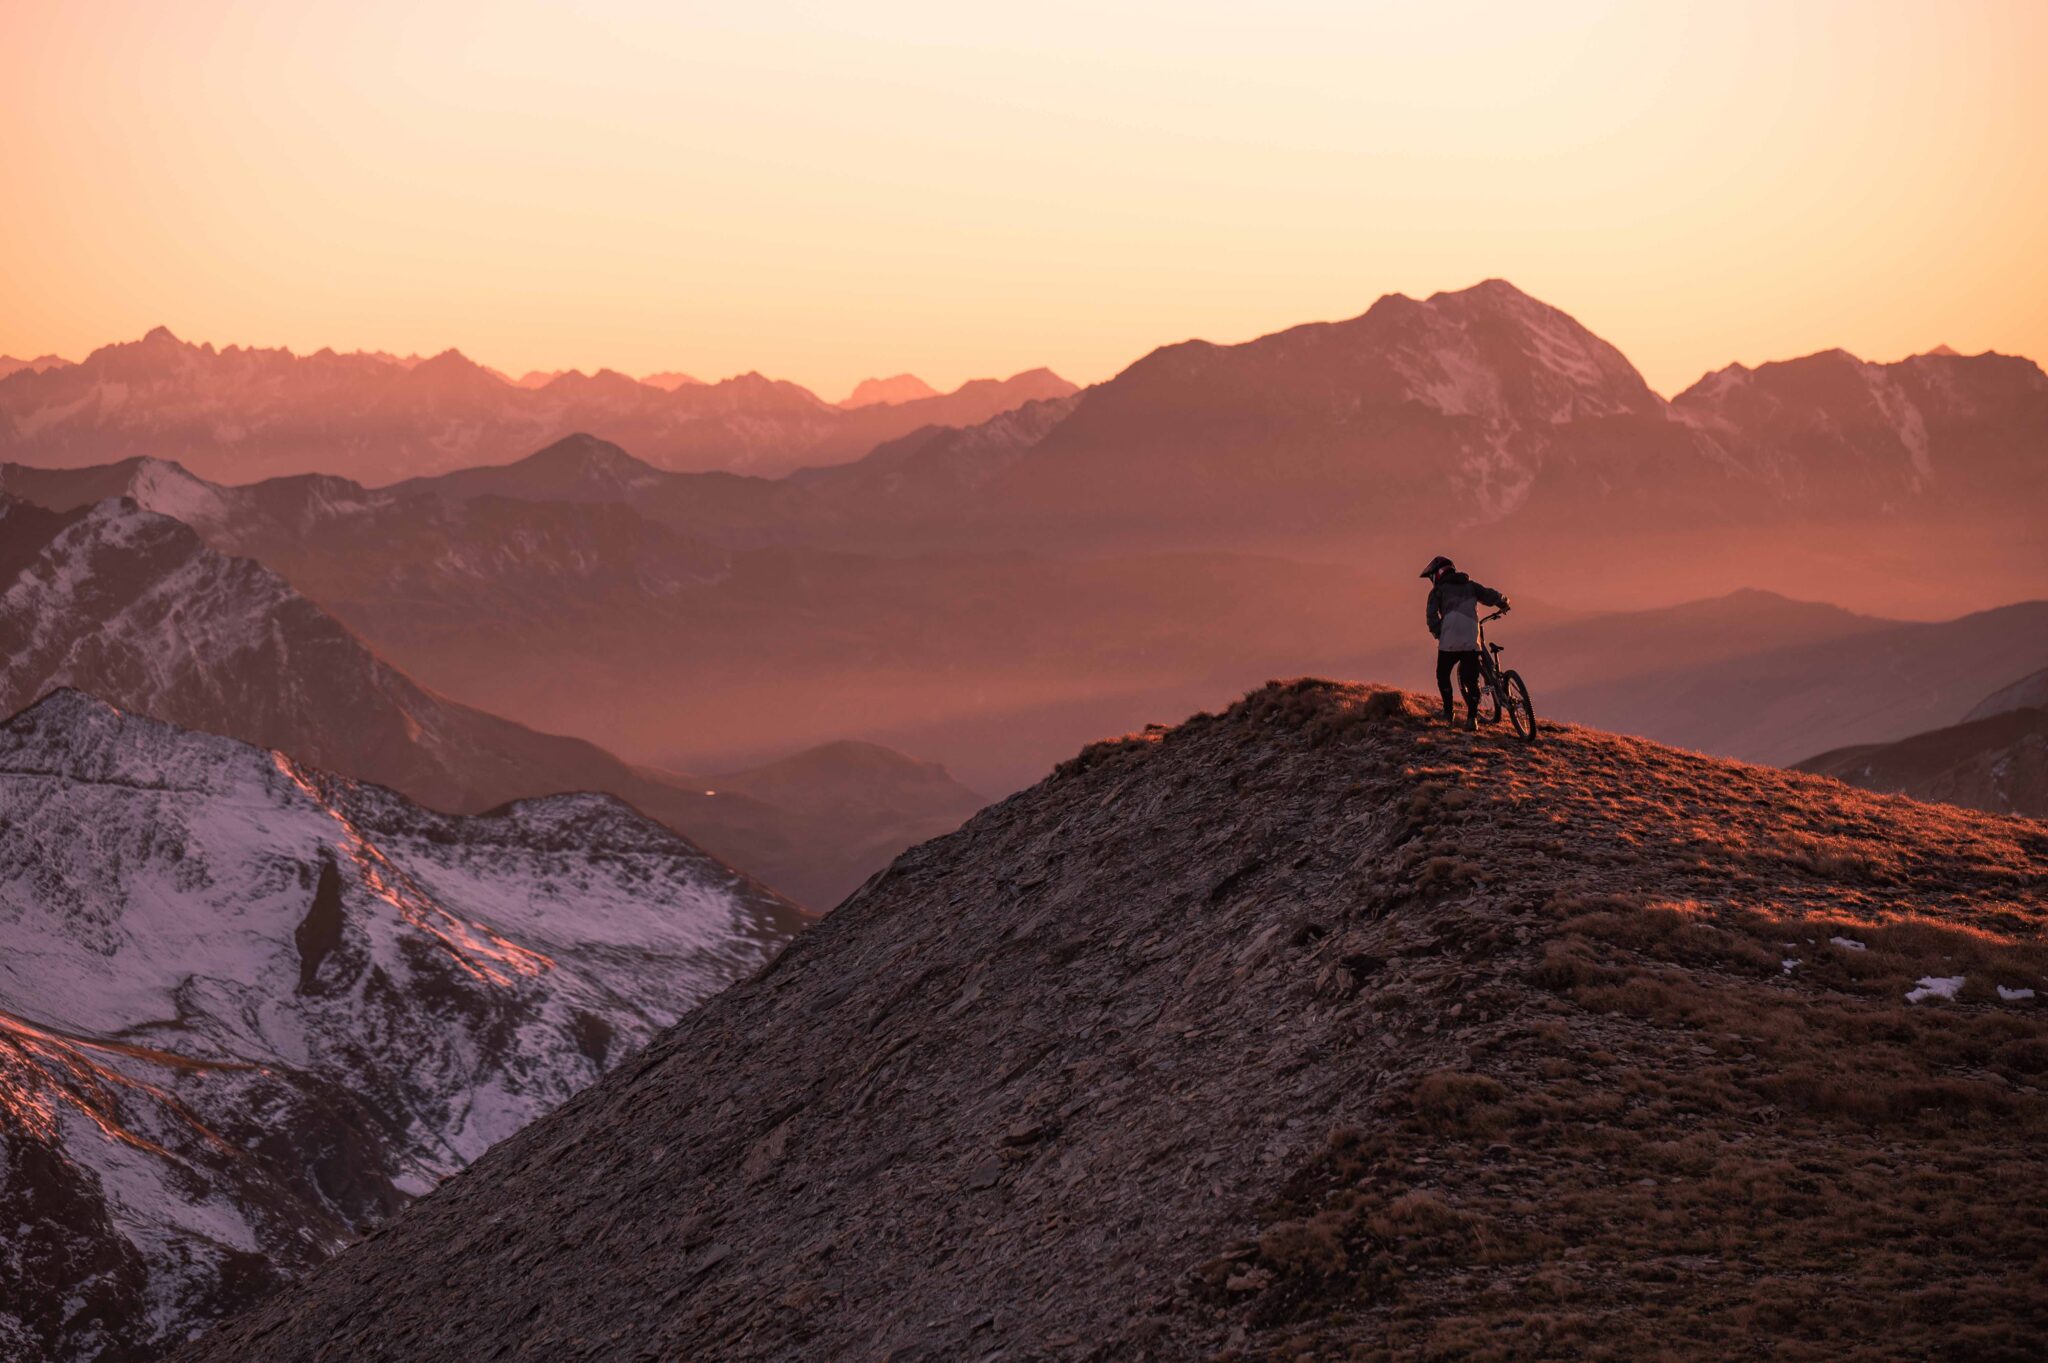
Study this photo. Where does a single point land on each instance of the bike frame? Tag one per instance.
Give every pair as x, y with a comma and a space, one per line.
1489, 661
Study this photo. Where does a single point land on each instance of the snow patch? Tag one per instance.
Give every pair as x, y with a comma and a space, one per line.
1935, 987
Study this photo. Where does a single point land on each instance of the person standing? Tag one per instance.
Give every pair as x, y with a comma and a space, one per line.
1453, 615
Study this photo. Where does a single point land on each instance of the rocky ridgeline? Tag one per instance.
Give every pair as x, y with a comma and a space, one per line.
1308, 1030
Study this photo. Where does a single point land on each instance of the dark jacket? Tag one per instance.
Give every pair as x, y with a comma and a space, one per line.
1454, 611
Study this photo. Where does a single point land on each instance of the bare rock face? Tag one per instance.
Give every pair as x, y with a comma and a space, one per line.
1307, 1029
249, 1009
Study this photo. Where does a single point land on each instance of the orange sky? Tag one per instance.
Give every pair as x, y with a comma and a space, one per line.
826, 191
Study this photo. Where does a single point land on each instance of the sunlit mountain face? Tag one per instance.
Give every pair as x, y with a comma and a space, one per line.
249, 1009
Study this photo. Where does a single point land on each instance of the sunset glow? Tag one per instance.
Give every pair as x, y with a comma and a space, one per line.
829, 192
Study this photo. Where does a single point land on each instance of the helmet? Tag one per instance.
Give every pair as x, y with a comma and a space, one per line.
1439, 564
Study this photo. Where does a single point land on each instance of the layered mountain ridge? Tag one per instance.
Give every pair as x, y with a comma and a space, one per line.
248, 1009
246, 413
1997, 763
1309, 1027
134, 606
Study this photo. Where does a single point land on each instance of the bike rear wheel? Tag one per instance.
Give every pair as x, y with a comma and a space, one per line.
1521, 710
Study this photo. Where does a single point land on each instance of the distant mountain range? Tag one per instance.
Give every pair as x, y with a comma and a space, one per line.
242, 414
987, 594
1870, 682
135, 607
1998, 763
585, 617
1995, 759
985, 661
10, 365
248, 1009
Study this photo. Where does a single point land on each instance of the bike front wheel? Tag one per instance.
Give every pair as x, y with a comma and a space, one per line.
1521, 710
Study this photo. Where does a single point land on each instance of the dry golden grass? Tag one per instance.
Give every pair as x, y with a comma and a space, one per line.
1677, 1146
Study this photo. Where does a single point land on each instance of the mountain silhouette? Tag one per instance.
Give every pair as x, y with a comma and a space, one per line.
901, 388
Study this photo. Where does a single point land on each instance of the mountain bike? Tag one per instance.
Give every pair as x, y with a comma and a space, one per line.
1503, 692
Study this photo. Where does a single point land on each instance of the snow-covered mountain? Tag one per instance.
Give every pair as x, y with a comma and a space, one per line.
1463, 407
1838, 434
246, 413
247, 1008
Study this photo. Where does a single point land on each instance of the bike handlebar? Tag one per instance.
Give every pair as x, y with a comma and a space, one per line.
1484, 619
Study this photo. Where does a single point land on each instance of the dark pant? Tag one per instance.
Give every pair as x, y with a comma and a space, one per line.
1466, 660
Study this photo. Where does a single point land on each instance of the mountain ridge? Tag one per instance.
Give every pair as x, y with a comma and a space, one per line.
244, 413
135, 606
1392, 1039
1997, 762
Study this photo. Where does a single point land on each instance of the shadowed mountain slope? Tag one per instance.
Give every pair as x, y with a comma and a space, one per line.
1997, 763
1303, 1029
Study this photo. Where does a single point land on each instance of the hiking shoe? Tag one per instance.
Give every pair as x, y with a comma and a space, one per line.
1471, 722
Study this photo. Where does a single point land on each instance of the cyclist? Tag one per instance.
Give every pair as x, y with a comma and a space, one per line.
1453, 614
